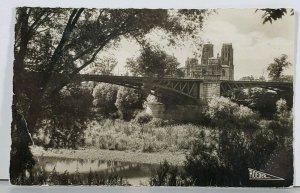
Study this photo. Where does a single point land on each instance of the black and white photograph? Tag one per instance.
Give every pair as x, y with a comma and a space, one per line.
153, 97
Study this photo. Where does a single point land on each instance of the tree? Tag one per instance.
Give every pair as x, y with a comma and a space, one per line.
52, 41
223, 158
105, 96
271, 15
104, 66
153, 62
21, 160
129, 101
66, 117
247, 78
276, 68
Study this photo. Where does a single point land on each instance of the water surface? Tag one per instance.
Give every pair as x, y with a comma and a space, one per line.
135, 173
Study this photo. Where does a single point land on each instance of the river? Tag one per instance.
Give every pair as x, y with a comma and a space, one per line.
135, 174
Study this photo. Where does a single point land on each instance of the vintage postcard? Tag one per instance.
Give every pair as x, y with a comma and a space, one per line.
153, 97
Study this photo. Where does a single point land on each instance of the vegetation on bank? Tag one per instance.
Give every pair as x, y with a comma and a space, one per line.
155, 136
229, 137
222, 158
218, 151
173, 158
54, 178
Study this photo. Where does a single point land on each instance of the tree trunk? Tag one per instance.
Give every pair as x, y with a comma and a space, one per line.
34, 113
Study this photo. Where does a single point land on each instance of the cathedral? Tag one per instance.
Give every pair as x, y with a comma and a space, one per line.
210, 65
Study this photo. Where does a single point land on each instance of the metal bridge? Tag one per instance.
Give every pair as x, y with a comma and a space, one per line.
192, 90
161, 87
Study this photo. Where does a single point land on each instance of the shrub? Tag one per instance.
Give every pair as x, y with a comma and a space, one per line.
284, 115
128, 101
282, 124
158, 122
64, 122
261, 100
224, 158
168, 175
262, 145
143, 117
121, 135
224, 113
105, 96
203, 163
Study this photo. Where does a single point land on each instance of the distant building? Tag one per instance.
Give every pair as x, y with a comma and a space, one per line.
210, 65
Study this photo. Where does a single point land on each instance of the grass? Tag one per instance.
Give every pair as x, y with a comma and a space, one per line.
41, 177
154, 136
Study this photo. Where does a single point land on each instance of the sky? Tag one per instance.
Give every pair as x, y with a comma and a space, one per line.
255, 44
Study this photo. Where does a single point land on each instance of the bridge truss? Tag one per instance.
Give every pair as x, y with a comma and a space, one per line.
161, 87
176, 90
226, 86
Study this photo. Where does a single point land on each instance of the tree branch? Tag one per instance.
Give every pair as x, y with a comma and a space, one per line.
35, 23
65, 37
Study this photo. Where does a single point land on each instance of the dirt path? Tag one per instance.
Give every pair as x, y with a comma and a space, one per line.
177, 158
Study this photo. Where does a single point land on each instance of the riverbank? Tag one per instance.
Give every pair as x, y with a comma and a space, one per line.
174, 158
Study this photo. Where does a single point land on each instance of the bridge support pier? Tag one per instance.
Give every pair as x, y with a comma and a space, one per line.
210, 87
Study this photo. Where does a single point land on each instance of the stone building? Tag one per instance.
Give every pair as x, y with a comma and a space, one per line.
210, 65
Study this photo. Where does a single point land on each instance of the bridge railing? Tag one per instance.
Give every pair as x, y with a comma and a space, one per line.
214, 78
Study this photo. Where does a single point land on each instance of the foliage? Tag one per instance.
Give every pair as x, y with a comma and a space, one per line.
153, 62
261, 100
203, 162
143, 117
154, 136
286, 78
271, 15
283, 120
51, 41
276, 68
103, 66
65, 120
224, 159
168, 175
226, 114
92, 178
263, 143
129, 101
247, 78
105, 96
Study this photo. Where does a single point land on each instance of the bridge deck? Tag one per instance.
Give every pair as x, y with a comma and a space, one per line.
94, 76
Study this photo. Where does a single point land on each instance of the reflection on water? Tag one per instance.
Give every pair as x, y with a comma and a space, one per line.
135, 173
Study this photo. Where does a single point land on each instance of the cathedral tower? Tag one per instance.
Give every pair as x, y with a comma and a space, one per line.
227, 59
207, 52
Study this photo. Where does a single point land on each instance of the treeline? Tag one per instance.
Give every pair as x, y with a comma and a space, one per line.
66, 120
261, 100
63, 124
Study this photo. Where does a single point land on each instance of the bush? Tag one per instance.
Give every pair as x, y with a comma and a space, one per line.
203, 163
224, 113
128, 101
105, 96
143, 117
282, 124
158, 122
168, 175
262, 145
284, 115
122, 135
66, 117
224, 158
261, 100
